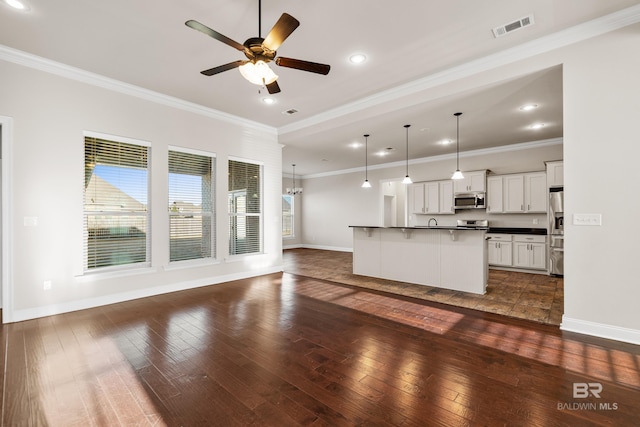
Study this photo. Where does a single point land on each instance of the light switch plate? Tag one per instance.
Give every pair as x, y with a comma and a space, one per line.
587, 219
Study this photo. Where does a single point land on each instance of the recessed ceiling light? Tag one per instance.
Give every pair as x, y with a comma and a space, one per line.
385, 151
16, 4
357, 58
269, 100
537, 126
446, 142
355, 145
529, 107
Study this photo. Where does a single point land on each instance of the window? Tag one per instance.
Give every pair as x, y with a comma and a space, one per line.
191, 212
245, 207
116, 194
287, 215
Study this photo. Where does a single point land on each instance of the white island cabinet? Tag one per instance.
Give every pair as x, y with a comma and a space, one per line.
445, 257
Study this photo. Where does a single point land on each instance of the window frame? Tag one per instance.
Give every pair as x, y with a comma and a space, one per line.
291, 216
86, 270
213, 239
259, 215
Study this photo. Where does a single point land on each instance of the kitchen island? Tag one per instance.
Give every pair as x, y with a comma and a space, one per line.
440, 256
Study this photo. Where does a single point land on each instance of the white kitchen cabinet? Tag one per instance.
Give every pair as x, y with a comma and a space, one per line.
433, 197
500, 250
555, 174
517, 193
446, 197
535, 192
473, 181
494, 199
513, 192
416, 198
530, 252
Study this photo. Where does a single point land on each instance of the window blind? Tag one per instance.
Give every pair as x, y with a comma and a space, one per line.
116, 193
191, 206
245, 207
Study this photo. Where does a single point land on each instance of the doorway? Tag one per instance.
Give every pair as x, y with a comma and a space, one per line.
393, 201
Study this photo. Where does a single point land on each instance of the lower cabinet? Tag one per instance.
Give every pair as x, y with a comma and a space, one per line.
530, 255
499, 251
517, 251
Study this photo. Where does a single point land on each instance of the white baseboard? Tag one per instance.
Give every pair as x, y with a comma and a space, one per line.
601, 330
326, 248
51, 310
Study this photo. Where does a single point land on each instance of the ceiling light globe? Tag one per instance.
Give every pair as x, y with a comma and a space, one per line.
259, 73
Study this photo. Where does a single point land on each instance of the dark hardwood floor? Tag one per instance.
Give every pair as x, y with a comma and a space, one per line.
283, 350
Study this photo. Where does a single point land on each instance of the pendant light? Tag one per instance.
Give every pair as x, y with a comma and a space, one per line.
457, 174
406, 179
366, 183
295, 190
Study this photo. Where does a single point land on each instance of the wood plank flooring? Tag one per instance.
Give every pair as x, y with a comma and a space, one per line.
530, 296
285, 350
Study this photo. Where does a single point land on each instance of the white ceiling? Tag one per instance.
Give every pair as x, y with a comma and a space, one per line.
145, 43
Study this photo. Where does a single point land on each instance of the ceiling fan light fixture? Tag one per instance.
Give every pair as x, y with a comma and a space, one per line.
259, 73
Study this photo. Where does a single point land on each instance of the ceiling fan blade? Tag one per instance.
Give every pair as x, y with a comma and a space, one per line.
273, 87
298, 64
212, 33
280, 31
221, 68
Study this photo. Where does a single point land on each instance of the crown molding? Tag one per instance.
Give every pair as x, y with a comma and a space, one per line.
544, 44
36, 62
441, 157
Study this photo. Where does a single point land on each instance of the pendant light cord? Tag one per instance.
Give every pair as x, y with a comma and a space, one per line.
407, 147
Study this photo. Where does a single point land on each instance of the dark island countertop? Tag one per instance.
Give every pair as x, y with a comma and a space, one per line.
424, 227
517, 230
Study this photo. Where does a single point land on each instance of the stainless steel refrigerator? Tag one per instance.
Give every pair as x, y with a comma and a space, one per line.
556, 231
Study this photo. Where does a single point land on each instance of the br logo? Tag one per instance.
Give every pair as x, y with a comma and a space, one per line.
584, 390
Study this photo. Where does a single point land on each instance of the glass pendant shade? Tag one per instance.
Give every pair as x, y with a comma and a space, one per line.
366, 184
457, 175
407, 180
259, 73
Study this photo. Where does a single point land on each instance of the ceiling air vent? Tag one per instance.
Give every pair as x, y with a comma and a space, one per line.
290, 112
512, 26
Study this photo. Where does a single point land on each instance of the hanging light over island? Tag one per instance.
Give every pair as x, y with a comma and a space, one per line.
457, 174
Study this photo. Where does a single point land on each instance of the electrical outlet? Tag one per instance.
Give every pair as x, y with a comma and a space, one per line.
535, 221
47, 285
587, 219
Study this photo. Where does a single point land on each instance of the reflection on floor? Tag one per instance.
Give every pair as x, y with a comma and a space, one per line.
528, 296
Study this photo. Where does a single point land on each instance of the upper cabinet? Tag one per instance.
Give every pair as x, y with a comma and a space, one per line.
434, 197
555, 174
517, 193
472, 181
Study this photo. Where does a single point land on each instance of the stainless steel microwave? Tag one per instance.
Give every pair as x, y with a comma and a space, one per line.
475, 200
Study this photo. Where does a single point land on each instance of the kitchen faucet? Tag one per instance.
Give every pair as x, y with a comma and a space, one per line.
429, 223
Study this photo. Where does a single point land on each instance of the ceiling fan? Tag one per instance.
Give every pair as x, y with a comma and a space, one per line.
260, 51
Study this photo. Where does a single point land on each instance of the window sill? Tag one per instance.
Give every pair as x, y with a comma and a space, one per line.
186, 264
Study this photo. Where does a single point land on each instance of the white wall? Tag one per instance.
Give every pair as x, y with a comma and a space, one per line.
49, 115
601, 109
